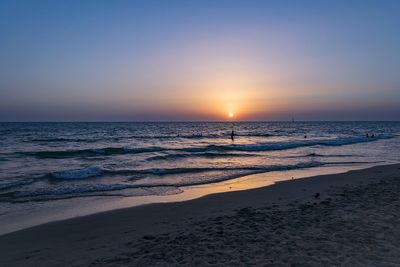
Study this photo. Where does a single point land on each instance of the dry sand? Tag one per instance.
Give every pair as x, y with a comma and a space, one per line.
353, 222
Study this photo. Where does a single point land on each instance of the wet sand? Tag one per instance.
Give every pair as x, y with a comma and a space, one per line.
348, 219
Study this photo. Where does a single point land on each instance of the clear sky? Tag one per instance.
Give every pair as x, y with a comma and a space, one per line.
199, 60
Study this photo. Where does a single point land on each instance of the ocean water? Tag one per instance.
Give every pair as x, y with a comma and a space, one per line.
53, 161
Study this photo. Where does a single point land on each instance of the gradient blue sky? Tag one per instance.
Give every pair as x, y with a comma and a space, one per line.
199, 60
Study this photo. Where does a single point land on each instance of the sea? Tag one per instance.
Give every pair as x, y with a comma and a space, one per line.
53, 162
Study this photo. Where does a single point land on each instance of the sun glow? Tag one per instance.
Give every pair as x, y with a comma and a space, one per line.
230, 115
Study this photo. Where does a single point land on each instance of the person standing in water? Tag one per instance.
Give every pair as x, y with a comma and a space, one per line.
233, 135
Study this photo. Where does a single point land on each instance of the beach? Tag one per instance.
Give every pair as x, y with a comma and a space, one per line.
199, 133
346, 219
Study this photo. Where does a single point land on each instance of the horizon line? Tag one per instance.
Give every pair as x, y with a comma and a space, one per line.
187, 121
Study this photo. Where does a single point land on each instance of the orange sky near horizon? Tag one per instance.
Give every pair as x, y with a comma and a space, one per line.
199, 60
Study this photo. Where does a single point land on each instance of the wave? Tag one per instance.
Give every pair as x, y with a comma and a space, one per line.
257, 147
147, 187
78, 174
92, 152
199, 155
272, 146
199, 135
256, 170
16, 183
87, 190
324, 156
70, 189
60, 139
119, 138
182, 136
61, 191
255, 134
96, 171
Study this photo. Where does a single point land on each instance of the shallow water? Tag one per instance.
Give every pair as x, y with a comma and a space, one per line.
49, 161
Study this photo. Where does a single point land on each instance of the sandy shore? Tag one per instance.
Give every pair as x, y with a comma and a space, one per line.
353, 222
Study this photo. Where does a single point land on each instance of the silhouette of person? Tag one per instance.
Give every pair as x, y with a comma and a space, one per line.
367, 135
233, 135
373, 135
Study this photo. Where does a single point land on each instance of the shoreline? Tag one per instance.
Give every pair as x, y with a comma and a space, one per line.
52, 211
107, 237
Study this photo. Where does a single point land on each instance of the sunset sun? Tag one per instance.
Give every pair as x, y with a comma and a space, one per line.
230, 115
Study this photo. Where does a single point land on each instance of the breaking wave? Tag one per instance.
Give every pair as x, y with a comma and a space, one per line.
60, 191
257, 147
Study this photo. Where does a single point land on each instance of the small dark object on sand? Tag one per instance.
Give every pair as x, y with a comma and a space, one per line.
148, 237
317, 195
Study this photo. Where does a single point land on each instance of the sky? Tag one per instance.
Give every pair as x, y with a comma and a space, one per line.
186, 60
